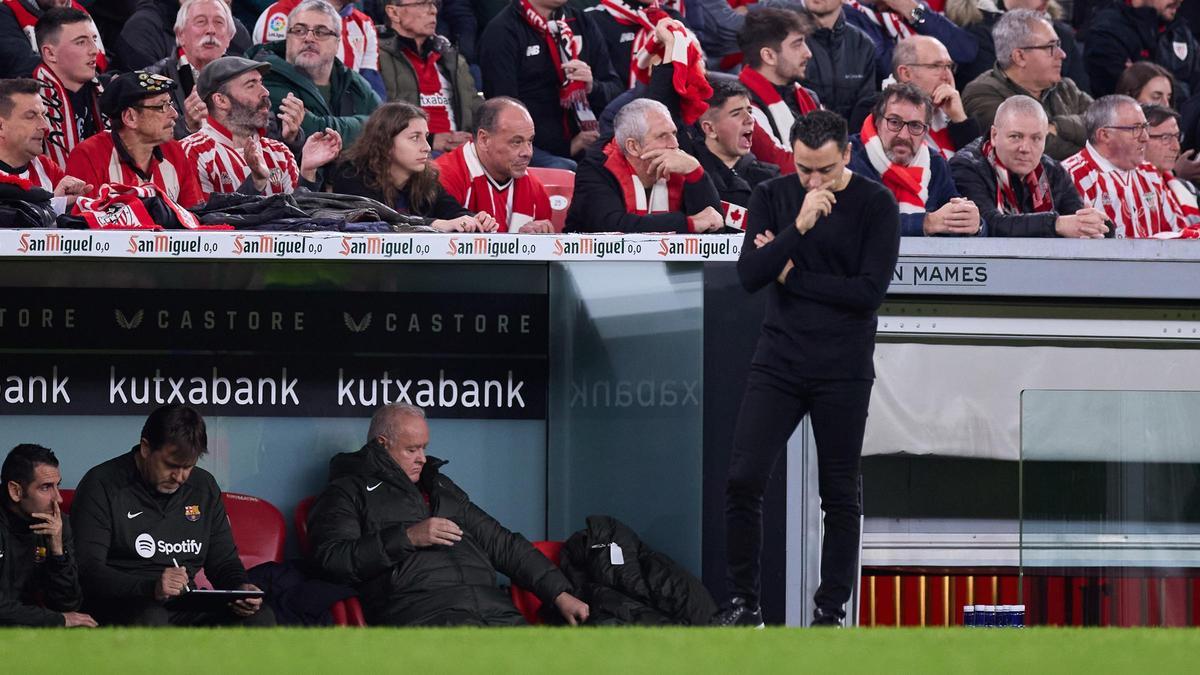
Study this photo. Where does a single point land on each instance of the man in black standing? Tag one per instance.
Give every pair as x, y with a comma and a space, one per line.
826, 241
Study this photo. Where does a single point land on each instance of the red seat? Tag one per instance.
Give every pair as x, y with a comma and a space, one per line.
68, 496
525, 601
258, 528
346, 612
560, 185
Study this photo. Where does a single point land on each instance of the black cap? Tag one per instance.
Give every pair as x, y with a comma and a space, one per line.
129, 89
223, 70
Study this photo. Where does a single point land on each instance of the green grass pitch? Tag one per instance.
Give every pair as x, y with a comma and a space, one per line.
611, 651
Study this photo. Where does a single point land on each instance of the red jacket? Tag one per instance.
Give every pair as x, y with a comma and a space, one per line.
98, 161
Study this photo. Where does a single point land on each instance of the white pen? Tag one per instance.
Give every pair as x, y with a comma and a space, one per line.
185, 584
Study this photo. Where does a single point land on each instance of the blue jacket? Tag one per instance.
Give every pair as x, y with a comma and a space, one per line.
941, 187
961, 44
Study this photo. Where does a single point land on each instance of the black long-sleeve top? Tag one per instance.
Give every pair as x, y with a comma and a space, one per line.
25, 575
347, 180
821, 322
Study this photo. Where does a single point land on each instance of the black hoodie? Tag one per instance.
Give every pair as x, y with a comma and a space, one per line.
358, 527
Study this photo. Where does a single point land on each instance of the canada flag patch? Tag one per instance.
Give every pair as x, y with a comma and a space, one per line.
735, 216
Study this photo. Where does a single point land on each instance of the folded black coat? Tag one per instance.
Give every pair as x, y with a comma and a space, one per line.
25, 209
648, 588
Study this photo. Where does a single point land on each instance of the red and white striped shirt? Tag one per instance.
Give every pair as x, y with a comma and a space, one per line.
99, 161
222, 168
41, 171
1137, 200
360, 43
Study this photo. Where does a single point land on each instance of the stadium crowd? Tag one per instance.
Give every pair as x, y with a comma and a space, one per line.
981, 118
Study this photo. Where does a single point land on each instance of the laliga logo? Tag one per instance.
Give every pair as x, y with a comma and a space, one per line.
144, 545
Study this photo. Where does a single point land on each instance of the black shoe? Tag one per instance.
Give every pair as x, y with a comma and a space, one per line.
823, 617
739, 613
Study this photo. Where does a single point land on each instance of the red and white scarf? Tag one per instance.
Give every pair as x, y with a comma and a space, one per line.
895, 25
63, 135
1036, 183
1184, 194
1137, 201
431, 92
781, 117
120, 207
910, 184
513, 204
644, 19
665, 197
563, 46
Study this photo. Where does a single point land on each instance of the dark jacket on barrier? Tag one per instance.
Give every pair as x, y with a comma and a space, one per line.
118, 520
1120, 34
27, 576
347, 180
647, 588
976, 180
358, 527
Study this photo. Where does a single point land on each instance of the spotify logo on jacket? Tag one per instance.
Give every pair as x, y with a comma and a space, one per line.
146, 546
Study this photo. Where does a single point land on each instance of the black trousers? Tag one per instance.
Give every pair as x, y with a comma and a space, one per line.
773, 406
153, 613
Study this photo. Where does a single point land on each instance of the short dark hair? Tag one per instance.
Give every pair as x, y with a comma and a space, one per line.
177, 425
905, 91
16, 85
52, 21
488, 117
768, 27
723, 89
819, 127
1157, 114
23, 460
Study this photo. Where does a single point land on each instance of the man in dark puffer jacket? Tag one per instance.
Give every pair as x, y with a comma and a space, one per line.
412, 543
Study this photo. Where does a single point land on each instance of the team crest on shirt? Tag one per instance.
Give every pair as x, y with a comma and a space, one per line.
277, 24
1181, 50
39, 554
192, 512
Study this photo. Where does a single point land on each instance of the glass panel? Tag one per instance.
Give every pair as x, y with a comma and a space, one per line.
625, 401
1110, 506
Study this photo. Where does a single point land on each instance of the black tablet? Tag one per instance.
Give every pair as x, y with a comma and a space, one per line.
207, 599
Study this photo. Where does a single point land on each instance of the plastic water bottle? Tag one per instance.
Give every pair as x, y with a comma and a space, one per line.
968, 616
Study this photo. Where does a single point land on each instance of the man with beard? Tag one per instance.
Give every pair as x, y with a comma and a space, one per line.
23, 127
140, 148
842, 68
305, 66
775, 54
358, 48
1141, 30
1020, 191
229, 153
924, 61
19, 51
825, 241
1112, 175
68, 42
39, 580
891, 149
491, 173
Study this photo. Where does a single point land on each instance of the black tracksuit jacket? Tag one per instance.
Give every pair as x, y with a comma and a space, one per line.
125, 533
28, 576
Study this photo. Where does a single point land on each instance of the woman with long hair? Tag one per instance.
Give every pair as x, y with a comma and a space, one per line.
389, 162
1148, 83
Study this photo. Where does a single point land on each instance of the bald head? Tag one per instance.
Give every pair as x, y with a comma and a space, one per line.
401, 430
389, 417
923, 61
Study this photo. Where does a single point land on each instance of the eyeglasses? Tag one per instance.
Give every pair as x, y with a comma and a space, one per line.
915, 129
160, 108
421, 4
320, 32
1135, 129
1050, 48
952, 67
1167, 138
